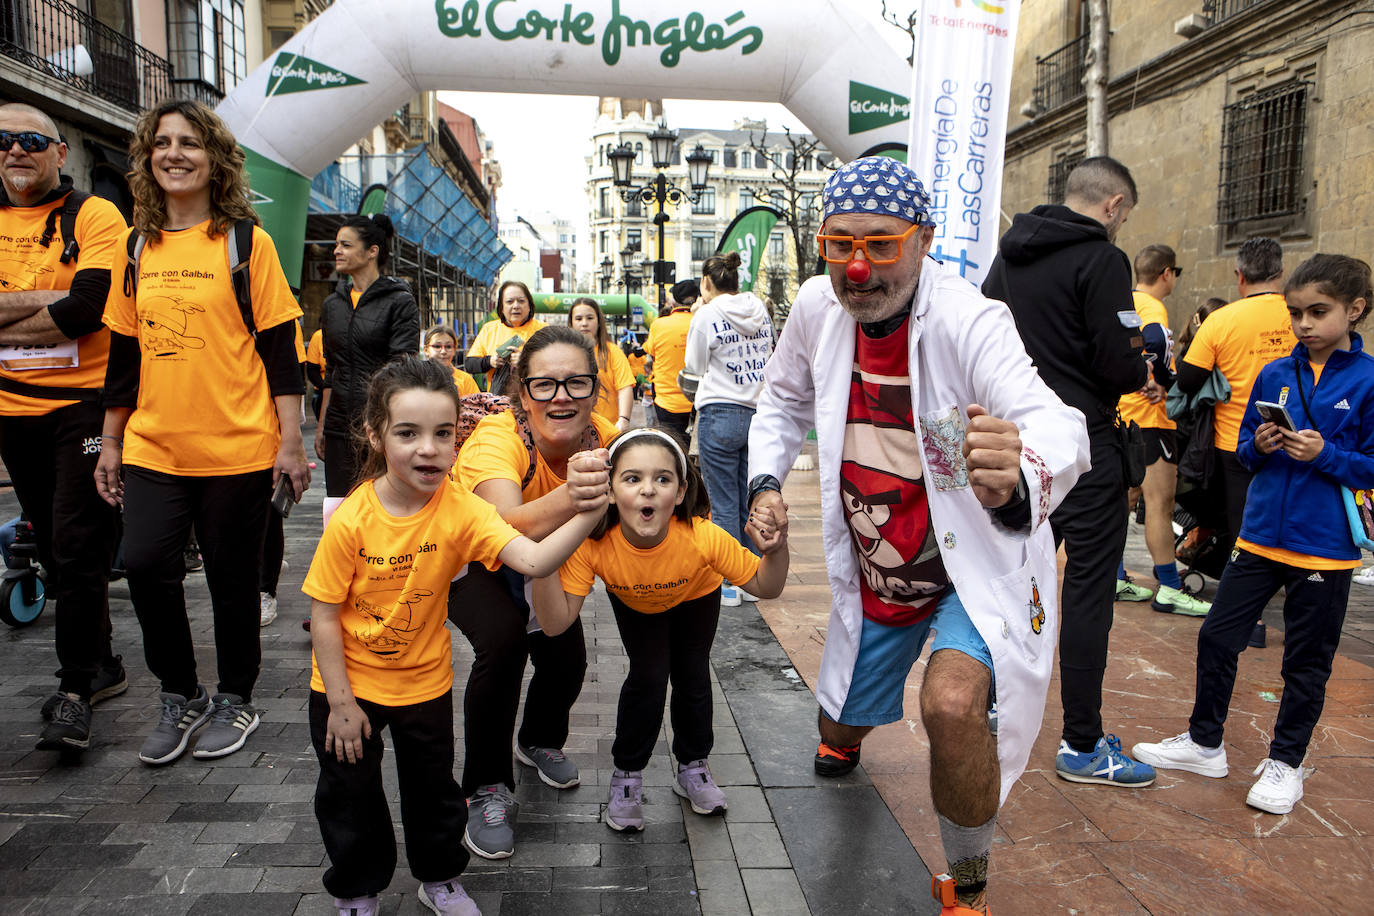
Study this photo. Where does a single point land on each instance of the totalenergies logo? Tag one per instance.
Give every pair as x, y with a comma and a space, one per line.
984, 6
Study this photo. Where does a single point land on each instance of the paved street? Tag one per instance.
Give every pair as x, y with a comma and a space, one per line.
238, 835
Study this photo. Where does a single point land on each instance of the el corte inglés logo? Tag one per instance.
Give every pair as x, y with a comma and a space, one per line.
294, 73
871, 108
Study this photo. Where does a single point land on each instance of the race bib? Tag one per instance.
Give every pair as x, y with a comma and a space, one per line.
57, 356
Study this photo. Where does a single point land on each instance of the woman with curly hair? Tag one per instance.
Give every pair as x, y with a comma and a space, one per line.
202, 418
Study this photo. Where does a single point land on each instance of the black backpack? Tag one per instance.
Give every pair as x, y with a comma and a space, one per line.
238, 240
67, 214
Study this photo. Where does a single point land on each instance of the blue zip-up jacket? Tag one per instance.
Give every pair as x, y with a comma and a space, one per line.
1295, 505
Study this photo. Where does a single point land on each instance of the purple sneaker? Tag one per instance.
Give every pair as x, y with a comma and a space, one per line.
357, 906
447, 898
625, 810
695, 784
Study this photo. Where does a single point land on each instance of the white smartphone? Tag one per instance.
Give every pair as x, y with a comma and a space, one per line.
1276, 414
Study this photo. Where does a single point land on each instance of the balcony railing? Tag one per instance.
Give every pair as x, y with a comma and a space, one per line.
1217, 10
199, 90
1059, 75
63, 41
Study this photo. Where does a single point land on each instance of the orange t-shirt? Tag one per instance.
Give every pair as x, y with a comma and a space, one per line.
204, 408
26, 265
1240, 340
495, 451
492, 335
690, 562
667, 344
390, 577
314, 353
614, 375
1136, 406
465, 383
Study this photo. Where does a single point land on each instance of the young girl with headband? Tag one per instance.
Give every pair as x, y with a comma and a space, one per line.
663, 561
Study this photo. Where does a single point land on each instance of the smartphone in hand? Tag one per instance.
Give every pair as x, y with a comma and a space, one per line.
283, 496
1276, 414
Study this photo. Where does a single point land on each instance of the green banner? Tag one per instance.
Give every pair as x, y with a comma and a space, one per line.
748, 235
871, 107
295, 73
280, 196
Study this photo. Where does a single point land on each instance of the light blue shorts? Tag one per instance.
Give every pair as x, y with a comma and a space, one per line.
886, 655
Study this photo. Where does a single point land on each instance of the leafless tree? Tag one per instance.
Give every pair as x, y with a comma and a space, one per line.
908, 25
786, 192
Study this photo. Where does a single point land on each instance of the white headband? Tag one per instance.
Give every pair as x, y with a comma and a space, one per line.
643, 431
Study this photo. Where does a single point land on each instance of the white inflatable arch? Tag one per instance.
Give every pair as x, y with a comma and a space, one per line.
352, 67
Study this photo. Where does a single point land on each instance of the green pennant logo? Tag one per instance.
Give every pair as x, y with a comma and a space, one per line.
871, 107
294, 73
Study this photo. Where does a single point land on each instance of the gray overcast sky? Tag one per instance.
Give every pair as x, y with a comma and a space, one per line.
540, 140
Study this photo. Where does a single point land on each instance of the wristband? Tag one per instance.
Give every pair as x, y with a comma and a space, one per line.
623, 417
759, 484
117, 440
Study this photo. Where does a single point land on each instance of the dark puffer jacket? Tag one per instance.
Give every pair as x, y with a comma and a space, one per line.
359, 341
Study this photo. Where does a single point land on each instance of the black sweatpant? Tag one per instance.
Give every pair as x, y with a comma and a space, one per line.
1091, 523
273, 550
229, 514
1313, 611
351, 806
677, 422
490, 610
674, 646
1235, 478
340, 464
51, 461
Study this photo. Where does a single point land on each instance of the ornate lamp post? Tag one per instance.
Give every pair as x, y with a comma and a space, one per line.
630, 276
660, 190
606, 268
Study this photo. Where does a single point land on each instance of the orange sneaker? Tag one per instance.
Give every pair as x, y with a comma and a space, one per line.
942, 889
835, 761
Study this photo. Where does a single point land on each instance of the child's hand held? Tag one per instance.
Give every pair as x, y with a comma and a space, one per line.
589, 481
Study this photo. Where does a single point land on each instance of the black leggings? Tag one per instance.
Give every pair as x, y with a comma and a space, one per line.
229, 514
490, 609
340, 464
674, 646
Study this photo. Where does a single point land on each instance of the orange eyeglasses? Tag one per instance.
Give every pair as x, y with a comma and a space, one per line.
877, 249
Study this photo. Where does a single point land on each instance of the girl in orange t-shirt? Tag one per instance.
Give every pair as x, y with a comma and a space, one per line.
617, 380
440, 345
383, 658
663, 561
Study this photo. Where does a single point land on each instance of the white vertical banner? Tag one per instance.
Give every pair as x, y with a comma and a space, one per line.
960, 89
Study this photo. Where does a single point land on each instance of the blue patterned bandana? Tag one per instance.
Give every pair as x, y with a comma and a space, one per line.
880, 186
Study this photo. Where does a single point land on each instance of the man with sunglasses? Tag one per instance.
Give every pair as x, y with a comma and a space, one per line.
941, 455
1069, 289
1156, 275
53, 351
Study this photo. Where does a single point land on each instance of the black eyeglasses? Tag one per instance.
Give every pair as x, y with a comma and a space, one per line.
1177, 271
578, 387
30, 141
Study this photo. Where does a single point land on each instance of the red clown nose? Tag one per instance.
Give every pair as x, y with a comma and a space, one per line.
858, 271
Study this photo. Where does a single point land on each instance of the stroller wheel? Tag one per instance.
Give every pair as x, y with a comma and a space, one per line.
1194, 582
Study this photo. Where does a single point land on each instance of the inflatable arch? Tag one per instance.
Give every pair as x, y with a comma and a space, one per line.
354, 65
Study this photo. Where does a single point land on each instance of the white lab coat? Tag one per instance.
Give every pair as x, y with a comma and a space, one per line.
964, 349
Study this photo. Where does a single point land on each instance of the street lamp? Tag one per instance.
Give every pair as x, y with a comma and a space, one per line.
629, 276
606, 268
660, 191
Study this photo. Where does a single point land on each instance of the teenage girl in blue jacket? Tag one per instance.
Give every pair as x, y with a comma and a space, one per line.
1295, 534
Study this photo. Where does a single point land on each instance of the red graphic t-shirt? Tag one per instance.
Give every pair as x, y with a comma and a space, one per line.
901, 573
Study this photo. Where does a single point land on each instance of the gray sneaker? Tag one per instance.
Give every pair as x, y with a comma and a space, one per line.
492, 812
69, 728
180, 719
554, 767
231, 722
695, 784
447, 898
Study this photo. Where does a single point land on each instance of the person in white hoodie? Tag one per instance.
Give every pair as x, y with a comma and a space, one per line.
729, 342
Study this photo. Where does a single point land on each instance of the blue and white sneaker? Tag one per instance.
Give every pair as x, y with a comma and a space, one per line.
1106, 764
729, 596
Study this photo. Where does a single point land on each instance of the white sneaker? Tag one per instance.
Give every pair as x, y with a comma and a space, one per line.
1364, 576
268, 608
745, 596
1181, 752
729, 596
1279, 787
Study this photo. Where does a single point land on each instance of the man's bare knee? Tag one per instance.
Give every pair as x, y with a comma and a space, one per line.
954, 694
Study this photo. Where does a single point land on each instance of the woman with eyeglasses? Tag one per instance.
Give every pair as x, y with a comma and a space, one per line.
498, 342
537, 464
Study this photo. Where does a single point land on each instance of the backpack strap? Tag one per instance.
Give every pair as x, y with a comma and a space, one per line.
134, 251
240, 244
71, 206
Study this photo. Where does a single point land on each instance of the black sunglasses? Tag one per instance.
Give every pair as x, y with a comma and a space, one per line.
30, 141
1178, 271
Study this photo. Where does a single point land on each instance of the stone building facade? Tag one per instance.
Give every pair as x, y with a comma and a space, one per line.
1237, 118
